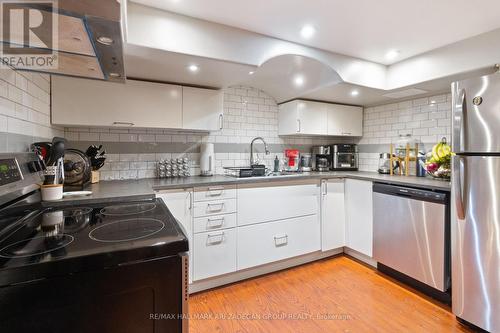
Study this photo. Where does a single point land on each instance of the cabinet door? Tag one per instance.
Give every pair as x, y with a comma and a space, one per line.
312, 118
332, 214
288, 122
345, 120
202, 109
179, 203
81, 102
359, 215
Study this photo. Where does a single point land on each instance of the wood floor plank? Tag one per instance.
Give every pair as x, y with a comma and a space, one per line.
332, 295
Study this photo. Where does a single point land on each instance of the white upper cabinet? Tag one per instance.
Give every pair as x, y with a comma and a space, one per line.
300, 117
202, 109
79, 102
345, 120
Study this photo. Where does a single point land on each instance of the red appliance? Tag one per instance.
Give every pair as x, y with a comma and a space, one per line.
292, 159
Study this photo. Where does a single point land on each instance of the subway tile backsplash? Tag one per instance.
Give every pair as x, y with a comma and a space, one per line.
24, 110
426, 119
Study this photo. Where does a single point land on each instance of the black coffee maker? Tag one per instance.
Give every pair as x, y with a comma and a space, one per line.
322, 158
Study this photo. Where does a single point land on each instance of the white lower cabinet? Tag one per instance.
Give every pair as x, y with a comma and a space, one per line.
214, 253
180, 203
332, 214
266, 202
359, 215
267, 242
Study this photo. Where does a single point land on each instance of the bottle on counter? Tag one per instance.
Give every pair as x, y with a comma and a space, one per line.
276, 164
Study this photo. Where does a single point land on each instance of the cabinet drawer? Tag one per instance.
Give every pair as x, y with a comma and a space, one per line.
217, 207
267, 242
214, 253
259, 203
214, 193
214, 222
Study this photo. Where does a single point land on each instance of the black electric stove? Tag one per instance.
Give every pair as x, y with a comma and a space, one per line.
111, 267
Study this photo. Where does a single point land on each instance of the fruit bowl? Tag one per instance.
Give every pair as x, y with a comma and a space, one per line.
438, 161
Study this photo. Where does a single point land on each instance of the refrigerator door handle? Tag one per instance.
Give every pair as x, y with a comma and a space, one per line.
459, 119
457, 184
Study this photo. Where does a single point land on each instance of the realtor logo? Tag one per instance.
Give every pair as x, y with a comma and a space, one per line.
29, 34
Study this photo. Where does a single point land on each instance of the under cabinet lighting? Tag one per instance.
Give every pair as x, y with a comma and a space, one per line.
354, 93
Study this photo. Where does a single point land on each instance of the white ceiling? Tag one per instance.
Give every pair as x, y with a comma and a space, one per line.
365, 29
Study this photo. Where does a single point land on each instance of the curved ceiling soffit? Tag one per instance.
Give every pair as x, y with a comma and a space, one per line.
289, 76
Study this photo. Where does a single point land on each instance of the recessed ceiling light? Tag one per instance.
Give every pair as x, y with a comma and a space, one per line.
433, 102
298, 80
392, 54
251, 73
193, 68
354, 93
307, 31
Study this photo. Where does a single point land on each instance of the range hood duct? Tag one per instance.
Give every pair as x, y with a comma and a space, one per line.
89, 39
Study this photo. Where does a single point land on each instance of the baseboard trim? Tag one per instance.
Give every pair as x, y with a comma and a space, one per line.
360, 256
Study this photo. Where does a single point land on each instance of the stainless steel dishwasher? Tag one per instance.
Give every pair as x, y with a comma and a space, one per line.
411, 234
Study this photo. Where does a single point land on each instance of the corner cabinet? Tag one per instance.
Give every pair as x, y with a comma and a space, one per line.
332, 214
359, 215
300, 117
138, 104
180, 203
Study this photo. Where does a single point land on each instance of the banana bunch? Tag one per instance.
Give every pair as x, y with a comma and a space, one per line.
439, 159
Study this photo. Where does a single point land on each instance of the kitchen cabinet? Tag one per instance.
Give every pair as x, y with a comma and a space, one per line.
300, 117
180, 202
332, 214
214, 253
79, 102
344, 120
202, 109
265, 202
359, 215
82, 102
268, 242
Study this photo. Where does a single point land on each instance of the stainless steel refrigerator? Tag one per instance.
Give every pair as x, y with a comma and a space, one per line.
475, 201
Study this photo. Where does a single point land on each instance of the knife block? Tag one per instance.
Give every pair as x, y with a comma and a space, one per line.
95, 176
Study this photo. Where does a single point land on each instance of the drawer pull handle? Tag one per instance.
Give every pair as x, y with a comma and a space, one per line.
218, 225
215, 192
215, 239
281, 240
218, 207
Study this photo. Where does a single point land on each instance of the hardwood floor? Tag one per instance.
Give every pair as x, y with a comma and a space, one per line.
332, 295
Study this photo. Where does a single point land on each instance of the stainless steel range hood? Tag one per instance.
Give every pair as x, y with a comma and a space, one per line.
89, 40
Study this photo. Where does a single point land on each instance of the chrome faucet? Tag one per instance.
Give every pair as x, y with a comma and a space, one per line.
252, 162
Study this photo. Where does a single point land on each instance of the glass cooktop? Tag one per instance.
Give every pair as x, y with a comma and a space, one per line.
56, 234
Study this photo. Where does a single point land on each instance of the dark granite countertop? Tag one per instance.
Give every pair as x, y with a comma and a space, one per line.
143, 189
421, 182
